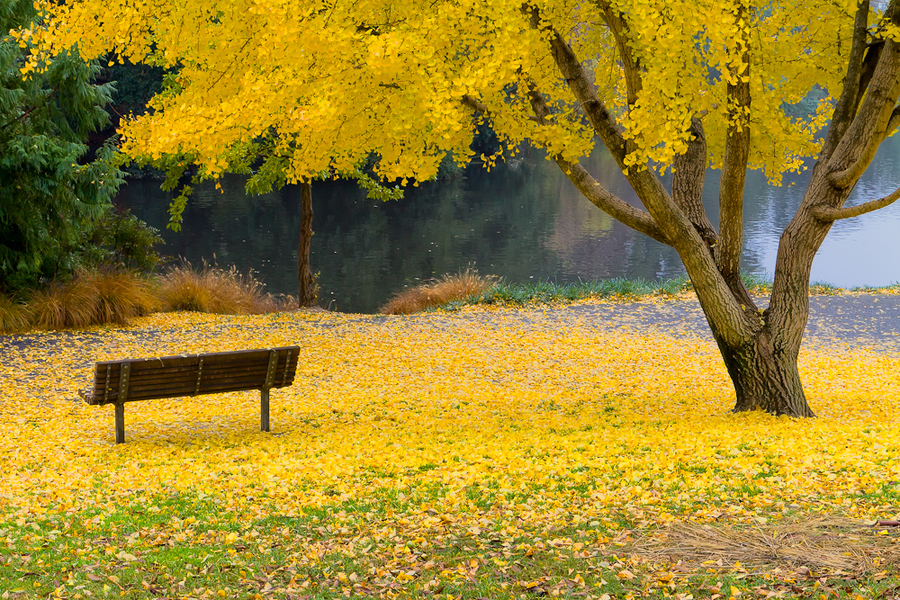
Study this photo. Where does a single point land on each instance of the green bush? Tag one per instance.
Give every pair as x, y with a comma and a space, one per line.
121, 240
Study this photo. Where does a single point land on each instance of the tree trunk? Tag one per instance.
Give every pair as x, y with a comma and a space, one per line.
765, 377
307, 295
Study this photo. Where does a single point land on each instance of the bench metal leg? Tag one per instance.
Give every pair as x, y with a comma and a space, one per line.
264, 410
120, 423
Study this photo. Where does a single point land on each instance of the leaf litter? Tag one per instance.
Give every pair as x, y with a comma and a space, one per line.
481, 453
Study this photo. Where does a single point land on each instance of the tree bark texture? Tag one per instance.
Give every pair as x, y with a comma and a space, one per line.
307, 295
765, 377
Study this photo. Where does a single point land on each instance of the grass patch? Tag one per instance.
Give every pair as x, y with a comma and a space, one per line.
14, 315
893, 288
91, 298
546, 292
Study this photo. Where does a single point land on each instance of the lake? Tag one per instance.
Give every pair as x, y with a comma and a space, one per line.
522, 221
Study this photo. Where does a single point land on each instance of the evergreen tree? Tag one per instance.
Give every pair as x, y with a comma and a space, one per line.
51, 190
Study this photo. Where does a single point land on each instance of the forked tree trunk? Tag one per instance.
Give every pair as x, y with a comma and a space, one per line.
307, 295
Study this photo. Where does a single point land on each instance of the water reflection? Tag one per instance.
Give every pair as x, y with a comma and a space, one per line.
524, 222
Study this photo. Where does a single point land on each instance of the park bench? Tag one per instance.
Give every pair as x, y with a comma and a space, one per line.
119, 381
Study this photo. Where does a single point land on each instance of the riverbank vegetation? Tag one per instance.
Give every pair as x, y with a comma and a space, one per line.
452, 292
446, 455
115, 296
439, 292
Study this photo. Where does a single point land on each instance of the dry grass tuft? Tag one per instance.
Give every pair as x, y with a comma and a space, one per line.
214, 290
438, 292
92, 298
824, 543
121, 295
14, 315
71, 304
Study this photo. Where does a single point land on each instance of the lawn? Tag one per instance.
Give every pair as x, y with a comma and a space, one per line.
485, 453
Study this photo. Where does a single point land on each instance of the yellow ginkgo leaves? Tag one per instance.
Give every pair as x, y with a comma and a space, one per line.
507, 433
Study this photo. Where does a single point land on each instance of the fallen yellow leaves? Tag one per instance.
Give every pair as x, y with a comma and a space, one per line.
507, 428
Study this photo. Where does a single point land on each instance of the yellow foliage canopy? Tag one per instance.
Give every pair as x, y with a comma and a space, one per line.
332, 80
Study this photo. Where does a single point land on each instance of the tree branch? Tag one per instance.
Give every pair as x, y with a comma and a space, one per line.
592, 190
894, 123
688, 174
847, 104
609, 203
480, 107
849, 176
631, 65
833, 214
873, 52
603, 122
872, 123
734, 165
475, 104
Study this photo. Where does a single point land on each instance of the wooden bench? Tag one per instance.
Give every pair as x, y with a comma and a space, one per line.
119, 381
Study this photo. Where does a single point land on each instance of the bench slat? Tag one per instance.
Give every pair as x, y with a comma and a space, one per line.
187, 386
151, 368
208, 358
147, 392
156, 376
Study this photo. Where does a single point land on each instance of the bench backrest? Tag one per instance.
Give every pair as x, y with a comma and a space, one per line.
117, 381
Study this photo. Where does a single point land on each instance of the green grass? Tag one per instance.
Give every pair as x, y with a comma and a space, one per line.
186, 551
548, 292
893, 288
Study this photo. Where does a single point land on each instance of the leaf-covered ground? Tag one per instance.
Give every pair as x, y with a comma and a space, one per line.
480, 454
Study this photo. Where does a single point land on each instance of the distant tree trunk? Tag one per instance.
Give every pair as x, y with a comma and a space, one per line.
307, 295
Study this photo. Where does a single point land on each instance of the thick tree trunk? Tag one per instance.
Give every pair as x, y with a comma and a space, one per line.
765, 377
307, 295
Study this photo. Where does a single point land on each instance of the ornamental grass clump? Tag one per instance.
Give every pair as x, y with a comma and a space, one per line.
214, 290
120, 296
59, 305
91, 298
448, 288
14, 315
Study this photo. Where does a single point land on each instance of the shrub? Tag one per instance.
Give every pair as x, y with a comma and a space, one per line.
448, 288
121, 240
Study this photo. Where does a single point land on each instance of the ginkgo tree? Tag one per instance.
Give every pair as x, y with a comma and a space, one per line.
665, 85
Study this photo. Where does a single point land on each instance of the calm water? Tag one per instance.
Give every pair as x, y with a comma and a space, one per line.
524, 222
